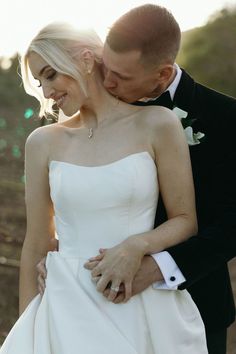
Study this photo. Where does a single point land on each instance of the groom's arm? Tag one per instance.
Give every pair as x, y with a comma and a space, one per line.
196, 258
215, 243
210, 249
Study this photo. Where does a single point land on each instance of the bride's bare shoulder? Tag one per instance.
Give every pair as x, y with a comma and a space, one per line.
158, 117
44, 135
157, 120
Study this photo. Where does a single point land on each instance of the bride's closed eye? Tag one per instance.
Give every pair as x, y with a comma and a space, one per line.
49, 77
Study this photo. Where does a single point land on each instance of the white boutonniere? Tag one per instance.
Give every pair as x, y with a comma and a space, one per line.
192, 138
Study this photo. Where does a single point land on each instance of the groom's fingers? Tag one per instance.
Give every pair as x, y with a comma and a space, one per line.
41, 268
41, 285
42, 274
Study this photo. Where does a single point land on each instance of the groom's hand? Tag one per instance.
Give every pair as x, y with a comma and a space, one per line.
42, 274
148, 273
41, 267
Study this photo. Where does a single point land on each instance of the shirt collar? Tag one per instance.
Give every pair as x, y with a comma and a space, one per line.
173, 86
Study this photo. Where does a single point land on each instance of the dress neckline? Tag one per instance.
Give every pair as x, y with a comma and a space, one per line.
107, 164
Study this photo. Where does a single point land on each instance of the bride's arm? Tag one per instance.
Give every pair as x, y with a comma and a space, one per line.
39, 212
175, 183
120, 263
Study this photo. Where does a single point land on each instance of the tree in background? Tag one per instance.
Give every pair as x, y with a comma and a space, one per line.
208, 53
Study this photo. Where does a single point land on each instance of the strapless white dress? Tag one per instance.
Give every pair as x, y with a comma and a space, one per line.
99, 207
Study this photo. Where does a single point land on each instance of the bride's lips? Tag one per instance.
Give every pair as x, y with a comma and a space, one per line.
60, 101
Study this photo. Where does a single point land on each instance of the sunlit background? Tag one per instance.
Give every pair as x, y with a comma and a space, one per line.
19, 20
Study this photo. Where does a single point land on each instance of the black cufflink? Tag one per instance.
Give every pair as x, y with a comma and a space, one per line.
172, 278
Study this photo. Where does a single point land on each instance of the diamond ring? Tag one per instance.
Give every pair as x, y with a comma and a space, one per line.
115, 288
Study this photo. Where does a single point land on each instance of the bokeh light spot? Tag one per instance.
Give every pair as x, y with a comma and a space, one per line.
16, 151
6, 63
28, 113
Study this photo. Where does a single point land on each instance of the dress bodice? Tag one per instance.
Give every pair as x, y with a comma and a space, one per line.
101, 206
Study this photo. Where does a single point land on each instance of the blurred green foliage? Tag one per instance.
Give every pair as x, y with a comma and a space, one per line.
208, 53
14, 127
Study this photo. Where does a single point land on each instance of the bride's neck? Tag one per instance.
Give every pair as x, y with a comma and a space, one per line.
99, 105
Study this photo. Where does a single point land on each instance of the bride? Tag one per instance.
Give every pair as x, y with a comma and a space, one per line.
95, 179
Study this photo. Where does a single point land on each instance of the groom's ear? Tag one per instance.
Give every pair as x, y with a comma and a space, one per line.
87, 60
165, 72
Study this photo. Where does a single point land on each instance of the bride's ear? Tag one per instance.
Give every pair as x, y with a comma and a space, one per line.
87, 61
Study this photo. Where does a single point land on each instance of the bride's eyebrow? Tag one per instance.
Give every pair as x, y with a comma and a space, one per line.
42, 70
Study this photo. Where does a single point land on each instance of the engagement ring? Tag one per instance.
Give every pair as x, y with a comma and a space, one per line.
116, 288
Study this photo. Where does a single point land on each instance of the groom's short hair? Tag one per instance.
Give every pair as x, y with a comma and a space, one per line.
150, 29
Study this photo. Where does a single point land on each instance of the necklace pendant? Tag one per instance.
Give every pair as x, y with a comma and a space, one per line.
90, 134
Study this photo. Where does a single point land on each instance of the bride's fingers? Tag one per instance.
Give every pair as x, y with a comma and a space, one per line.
96, 271
99, 257
114, 290
102, 250
90, 265
102, 283
95, 279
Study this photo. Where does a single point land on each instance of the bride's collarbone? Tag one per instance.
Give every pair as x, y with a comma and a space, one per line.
107, 144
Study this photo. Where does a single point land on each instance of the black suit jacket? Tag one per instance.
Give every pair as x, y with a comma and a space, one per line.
203, 258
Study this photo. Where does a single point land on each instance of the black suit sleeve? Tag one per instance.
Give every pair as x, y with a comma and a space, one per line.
209, 250
215, 243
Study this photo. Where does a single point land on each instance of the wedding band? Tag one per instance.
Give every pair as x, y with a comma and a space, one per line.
115, 288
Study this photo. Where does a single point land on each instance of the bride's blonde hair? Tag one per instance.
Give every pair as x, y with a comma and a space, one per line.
60, 45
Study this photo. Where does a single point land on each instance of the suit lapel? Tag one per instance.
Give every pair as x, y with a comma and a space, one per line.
185, 92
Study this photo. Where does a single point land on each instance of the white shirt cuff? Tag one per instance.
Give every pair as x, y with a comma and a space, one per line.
172, 275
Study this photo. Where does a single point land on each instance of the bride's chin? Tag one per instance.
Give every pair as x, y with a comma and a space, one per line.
70, 112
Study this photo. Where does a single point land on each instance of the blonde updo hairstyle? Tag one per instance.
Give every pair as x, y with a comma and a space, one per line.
60, 45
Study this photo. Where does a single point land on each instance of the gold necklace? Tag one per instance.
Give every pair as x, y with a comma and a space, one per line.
90, 130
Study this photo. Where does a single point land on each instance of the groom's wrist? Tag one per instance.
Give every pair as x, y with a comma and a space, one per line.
172, 277
154, 270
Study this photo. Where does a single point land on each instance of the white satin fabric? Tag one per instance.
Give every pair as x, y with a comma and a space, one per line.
99, 207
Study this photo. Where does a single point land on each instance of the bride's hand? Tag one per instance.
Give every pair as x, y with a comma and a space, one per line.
118, 265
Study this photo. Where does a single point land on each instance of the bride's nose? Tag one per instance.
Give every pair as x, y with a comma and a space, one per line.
48, 91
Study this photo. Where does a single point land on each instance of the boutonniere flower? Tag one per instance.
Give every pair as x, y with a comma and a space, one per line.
192, 138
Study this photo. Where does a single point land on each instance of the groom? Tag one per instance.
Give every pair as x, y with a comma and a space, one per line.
139, 56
